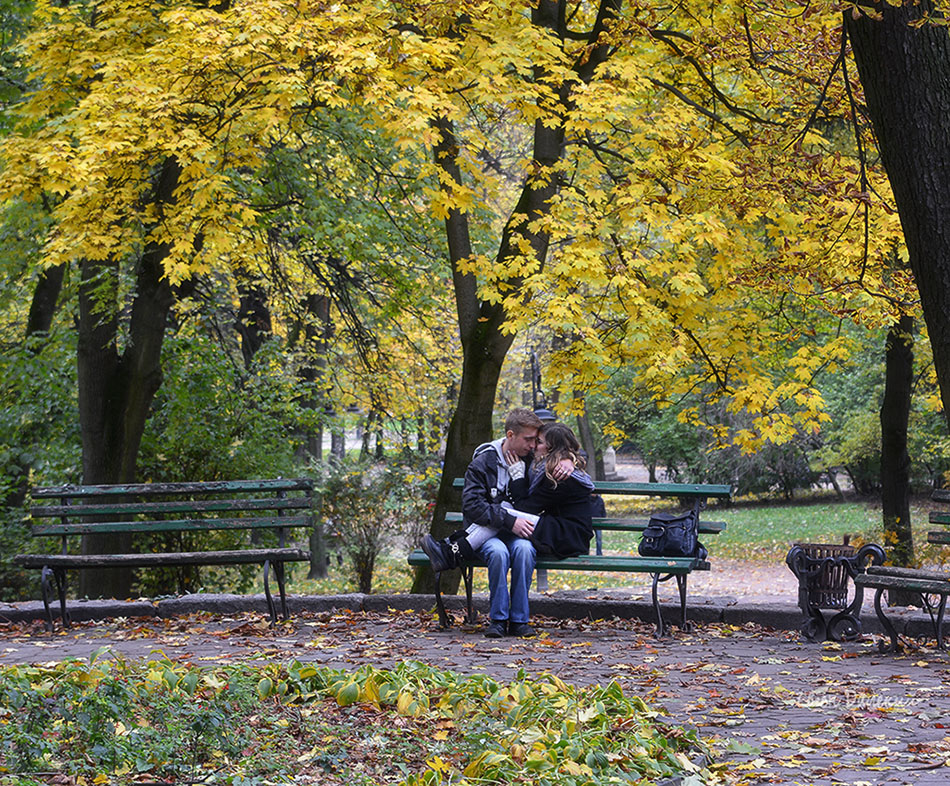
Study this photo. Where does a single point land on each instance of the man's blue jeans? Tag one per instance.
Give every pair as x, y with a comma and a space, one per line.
502, 553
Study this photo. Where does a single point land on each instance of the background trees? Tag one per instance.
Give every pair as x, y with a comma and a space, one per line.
290, 210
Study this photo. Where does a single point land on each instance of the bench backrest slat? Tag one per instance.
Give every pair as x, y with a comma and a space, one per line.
172, 525
155, 489
170, 506
685, 490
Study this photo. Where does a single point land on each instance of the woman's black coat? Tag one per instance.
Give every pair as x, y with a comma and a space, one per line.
564, 529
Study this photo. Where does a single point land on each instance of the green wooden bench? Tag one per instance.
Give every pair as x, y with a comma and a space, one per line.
68, 512
660, 568
932, 587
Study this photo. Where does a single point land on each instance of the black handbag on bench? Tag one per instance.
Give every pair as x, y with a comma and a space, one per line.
672, 535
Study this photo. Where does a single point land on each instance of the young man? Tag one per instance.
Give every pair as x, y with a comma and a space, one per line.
493, 530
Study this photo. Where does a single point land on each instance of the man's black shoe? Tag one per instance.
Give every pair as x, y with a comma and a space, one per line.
439, 553
496, 629
521, 629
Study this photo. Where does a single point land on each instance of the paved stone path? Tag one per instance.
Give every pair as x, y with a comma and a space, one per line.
777, 709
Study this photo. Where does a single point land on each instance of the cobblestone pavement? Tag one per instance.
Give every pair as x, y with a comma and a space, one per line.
780, 710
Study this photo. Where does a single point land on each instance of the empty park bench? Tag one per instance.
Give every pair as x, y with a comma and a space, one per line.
660, 568
68, 512
931, 587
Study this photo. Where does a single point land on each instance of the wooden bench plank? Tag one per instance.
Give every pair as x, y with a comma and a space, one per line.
940, 495
914, 584
147, 559
86, 509
684, 490
629, 488
153, 489
594, 562
172, 525
612, 524
894, 570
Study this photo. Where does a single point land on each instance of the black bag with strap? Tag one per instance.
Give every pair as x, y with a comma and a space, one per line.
672, 535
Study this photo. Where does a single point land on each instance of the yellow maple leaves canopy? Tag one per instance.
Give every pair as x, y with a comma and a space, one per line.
709, 215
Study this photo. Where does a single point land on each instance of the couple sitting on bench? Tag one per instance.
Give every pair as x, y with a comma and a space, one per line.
513, 513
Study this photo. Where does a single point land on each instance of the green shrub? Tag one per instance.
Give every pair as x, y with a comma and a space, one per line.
367, 507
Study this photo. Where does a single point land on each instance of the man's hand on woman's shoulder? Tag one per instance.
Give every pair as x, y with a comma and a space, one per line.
563, 469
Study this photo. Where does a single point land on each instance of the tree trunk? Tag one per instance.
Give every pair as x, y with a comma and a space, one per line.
595, 459
316, 330
484, 345
116, 392
905, 72
253, 320
470, 426
43, 305
38, 323
895, 460
316, 333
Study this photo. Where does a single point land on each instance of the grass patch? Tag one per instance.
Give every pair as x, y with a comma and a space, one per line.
121, 722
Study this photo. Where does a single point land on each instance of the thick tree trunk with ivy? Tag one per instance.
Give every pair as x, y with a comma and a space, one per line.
116, 390
905, 72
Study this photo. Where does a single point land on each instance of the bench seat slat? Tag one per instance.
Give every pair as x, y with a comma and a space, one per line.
941, 537
174, 506
154, 489
914, 584
940, 495
939, 517
172, 525
595, 562
894, 570
239, 557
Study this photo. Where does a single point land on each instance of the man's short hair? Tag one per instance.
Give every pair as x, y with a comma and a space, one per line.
520, 419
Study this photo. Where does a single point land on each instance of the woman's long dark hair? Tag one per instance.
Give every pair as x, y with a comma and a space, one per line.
562, 444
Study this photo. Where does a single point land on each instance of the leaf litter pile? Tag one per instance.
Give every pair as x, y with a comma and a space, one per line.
117, 721
585, 702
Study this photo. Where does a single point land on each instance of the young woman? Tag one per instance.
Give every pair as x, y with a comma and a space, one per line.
563, 527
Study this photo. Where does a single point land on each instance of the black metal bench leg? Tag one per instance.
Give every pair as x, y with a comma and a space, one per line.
939, 624
468, 576
46, 576
271, 608
888, 626
681, 585
444, 621
281, 588
656, 607
814, 627
60, 575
